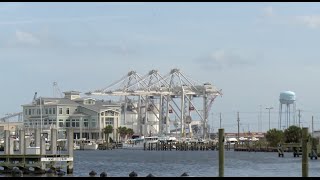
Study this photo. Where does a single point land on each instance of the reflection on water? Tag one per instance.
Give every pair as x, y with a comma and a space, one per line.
119, 163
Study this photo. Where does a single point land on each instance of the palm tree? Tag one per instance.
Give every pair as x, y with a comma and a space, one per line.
107, 130
122, 131
129, 132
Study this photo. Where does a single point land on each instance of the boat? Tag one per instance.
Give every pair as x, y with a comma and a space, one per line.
89, 145
138, 143
76, 146
85, 144
231, 140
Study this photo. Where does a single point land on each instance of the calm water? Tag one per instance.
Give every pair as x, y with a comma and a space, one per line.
121, 162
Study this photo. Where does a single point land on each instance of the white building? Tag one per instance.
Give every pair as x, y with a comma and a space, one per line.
87, 116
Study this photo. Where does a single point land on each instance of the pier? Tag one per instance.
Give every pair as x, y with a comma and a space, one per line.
36, 157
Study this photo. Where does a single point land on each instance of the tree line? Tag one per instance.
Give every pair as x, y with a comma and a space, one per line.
292, 134
122, 131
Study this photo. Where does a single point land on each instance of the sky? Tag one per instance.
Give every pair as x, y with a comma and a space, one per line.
252, 51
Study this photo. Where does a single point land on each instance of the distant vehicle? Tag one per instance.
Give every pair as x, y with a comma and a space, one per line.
231, 140
254, 139
243, 139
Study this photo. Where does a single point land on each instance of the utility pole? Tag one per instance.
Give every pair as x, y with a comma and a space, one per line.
312, 127
260, 115
238, 125
220, 120
269, 108
299, 116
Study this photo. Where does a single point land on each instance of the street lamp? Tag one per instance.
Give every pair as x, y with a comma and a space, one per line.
269, 108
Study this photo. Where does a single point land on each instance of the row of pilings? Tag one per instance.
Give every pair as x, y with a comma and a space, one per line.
179, 146
132, 174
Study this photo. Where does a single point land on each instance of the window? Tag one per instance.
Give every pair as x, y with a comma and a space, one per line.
68, 123
60, 110
85, 122
33, 112
109, 113
26, 111
102, 114
38, 111
73, 123
50, 111
77, 123
109, 121
93, 123
46, 110
68, 111
29, 111
60, 122
53, 110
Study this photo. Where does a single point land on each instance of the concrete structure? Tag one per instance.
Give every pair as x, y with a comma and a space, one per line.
86, 116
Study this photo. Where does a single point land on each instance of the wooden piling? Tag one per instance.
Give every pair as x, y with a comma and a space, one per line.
21, 142
221, 152
7, 142
70, 150
53, 147
37, 137
305, 152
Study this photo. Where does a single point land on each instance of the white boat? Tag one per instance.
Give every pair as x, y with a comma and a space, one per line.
231, 141
166, 139
85, 144
89, 145
138, 143
76, 146
48, 144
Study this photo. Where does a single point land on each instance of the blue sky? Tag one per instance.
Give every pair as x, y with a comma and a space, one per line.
252, 51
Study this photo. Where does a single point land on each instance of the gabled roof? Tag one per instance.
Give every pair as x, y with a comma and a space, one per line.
54, 101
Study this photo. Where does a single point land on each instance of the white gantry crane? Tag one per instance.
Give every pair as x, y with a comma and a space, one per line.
11, 115
163, 97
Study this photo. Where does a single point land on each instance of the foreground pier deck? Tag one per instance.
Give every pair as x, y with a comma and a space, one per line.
38, 162
36, 157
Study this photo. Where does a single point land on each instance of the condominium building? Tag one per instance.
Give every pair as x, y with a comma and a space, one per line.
85, 115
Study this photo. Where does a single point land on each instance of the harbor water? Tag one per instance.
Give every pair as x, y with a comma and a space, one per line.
120, 162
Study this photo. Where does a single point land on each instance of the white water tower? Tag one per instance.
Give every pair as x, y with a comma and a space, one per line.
288, 98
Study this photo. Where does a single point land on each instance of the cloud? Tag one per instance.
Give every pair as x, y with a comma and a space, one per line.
45, 39
220, 59
312, 21
268, 11
119, 48
24, 39
63, 20
9, 6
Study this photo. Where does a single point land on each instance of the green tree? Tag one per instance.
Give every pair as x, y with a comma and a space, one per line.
274, 137
129, 132
122, 132
293, 134
107, 130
